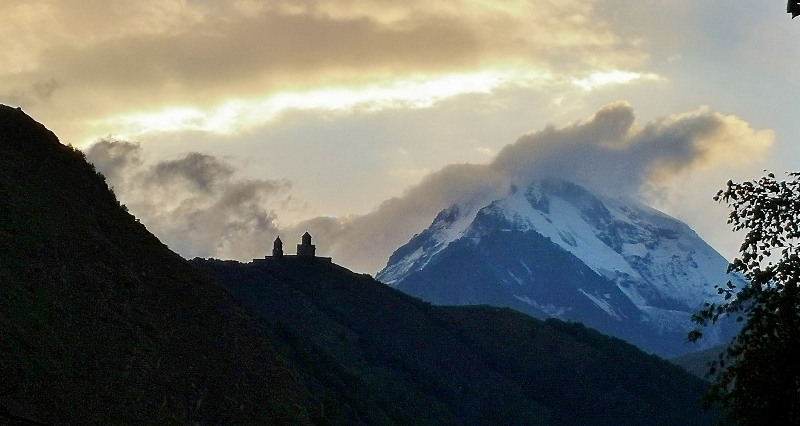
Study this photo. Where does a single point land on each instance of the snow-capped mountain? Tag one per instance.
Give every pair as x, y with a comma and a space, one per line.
556, 250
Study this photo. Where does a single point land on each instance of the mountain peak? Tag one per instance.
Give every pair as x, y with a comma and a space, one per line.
556, 249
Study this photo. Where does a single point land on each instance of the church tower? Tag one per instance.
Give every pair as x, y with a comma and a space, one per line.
306, 249
277, 248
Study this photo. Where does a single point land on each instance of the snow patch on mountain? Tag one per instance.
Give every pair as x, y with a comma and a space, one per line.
562, 220
602, 304
450, 225
549, 309
622, 240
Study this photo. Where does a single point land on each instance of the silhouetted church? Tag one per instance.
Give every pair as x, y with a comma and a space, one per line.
277, 248
305, 250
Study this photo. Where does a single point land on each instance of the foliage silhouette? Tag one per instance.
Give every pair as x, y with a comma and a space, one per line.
793, 7
758, 376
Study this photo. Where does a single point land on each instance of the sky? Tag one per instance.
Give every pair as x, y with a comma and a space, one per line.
223, 124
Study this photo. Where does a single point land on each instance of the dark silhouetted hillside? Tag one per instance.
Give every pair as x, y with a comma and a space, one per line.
374, 355
100, 323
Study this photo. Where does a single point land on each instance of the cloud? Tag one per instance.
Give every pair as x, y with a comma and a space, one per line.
608, 153
239, 115
197, 204
114, 159
116, 59
200, 206
37, 92
598, 79
364, 242
200, 172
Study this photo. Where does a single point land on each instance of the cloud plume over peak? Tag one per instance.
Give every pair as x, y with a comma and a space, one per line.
608, 153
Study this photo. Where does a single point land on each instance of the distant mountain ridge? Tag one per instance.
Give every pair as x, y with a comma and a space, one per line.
554, 249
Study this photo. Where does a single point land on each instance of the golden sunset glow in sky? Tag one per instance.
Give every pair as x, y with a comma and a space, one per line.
321, 113
238, 115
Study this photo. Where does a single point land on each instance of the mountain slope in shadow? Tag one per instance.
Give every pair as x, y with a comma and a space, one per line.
100, 323
374, 355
